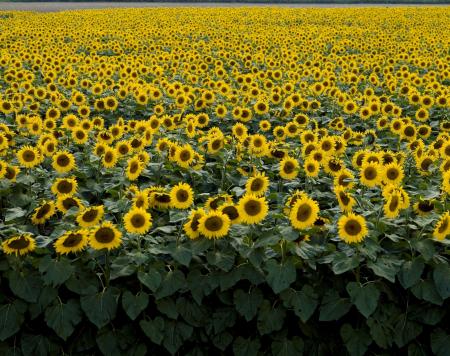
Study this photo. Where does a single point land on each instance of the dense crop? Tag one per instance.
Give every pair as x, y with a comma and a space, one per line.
210, 180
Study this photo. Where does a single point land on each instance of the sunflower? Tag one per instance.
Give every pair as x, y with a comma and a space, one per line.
106, 236
311, 167
110, 157
12, 172
257, 185
90, 216
442, 228
29, 156
289, 168
79, 136
160, 199
134, 168
64, 186
137, 221
72, 242
19, 245
65, 202
393, 173
345, 199
192, 225
184, 156
371, 174
214, 224
304, 213
181, 196
63, 161
213, 203
424, 207
252, 209
43, 212
393, 205
140, 200
231, 211
352, 228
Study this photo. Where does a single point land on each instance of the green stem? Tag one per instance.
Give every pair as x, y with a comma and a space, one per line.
107, 269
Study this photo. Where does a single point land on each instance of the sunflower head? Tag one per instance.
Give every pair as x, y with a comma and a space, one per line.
19, 245
352, 228
71, 242
214, 224
105, 236
137, 221
252, 209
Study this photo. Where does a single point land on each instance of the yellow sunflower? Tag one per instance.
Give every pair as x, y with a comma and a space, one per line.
371, 174
192, 225
109, 158
304, 213
63, 161
181, 196
352, 228
106, 236
442, 228
134, 168
252, 209
90, 216
29, 156
289, 168
19, 245
72, 242
214, 224
43, 212
65, 202
64, 186
137, 221
257, 185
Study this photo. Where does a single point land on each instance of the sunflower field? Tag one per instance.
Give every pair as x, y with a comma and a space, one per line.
241, 181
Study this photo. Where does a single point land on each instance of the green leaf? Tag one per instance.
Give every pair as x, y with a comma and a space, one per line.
82, 283
28, 287
182, 255
176, 333
192, 313
333, 307
441, 276
154, 329
63, 318
426, 290
410, 273
365, 298
406, 331
246, 347
11, 318
222, 341
173, 281
342, 263
440, 342
168, 307
247, 304
55, 272
134, 304
151, 279
100, 308
303, 302
270, 319
222, 260
286, 347
356, 341
37, 345
386, 267
280, 276
108, 343
14, 213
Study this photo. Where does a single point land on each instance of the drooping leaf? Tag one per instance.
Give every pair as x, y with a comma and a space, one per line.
247, 304
100, 308
63, 318
280, 275
134, 304
365, 298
